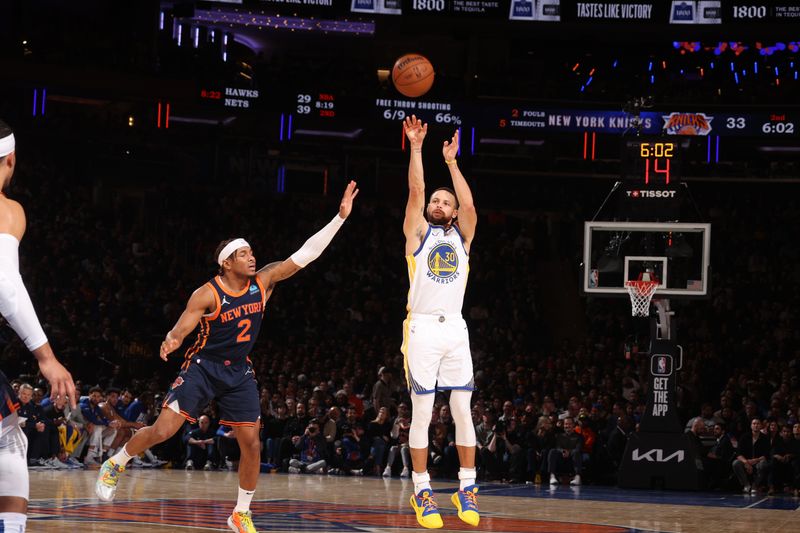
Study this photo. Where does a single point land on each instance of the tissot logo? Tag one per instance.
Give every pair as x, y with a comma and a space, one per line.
636, 193
656, 455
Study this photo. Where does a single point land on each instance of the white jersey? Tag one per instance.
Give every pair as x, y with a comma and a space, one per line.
437, 273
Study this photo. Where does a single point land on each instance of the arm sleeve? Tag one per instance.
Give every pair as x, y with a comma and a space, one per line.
317, 243
17, 308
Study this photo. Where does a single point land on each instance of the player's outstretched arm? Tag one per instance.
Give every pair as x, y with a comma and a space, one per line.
17, 308
201, 302
467, 215
414, 226
313, 247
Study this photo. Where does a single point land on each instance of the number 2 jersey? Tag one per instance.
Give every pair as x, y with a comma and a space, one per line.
228, 334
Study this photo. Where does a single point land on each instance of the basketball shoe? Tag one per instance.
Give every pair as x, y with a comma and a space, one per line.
242, 522
427, 511
107, 478
466, 501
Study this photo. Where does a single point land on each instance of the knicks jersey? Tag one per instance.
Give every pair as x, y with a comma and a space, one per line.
437, 273
228, 334
8, 406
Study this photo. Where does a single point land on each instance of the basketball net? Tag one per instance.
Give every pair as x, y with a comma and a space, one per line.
641, 292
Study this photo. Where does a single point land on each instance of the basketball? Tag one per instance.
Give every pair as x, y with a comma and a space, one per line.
412, 75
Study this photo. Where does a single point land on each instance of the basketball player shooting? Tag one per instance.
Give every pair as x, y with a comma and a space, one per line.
435, 337
17, 309
229, 309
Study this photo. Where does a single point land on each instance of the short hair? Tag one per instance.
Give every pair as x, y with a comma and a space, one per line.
96, 388
26, 386
218, 251
447, 189
113, 389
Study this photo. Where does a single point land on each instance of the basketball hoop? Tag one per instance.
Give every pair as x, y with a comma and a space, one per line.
641, 292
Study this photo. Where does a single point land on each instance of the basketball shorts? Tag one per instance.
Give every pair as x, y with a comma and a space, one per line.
233, 386
436, 353
14, 462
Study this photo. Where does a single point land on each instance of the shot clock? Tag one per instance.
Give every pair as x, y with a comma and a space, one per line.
652, 162
651, 177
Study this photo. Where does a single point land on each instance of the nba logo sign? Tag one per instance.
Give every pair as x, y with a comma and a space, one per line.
661, 365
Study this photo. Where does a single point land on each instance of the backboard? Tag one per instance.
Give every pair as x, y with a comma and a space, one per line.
677, 254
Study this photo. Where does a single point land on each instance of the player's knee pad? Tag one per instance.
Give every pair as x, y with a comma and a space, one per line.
14, 464
13, 522
421, 412
462, 416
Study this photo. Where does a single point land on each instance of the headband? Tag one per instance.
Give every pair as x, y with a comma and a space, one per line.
7, 145
231, 247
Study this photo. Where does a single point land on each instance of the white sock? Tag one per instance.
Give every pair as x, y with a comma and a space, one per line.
121, 457
421, 481
467, 477
243, 503
12, 522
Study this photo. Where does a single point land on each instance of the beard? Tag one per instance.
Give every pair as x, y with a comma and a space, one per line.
438, 219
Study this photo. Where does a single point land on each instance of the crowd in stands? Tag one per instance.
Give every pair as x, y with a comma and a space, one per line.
110, 268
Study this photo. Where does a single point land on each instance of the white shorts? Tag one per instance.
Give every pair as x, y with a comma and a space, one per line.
437, 356
14, 463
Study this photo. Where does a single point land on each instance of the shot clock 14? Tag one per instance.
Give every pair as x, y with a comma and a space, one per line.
651, 161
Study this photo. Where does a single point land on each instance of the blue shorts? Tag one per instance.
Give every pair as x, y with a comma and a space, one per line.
233, 386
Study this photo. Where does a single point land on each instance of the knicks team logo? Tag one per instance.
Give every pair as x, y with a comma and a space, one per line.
177, 383
443, 263
687, 124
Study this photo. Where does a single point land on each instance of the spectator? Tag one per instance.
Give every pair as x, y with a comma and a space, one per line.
717, 463
399, 439
312, 451
101, 430
200, 445
382, 390
377, 435
751, 458
567, 456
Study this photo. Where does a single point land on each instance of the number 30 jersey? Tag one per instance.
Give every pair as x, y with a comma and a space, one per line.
437, 273
228, 334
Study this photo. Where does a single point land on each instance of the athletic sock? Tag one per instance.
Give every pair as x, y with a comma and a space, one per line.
243, 503
121, 457
421, 481
467, 477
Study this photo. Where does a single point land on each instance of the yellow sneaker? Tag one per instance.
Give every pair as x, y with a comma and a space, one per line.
427, 511
466, 501
106, 485
242, 522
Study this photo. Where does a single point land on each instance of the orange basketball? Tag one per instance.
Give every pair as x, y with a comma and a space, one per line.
412, 75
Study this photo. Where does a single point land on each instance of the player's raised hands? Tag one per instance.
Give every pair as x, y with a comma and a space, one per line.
415, 130
450, 148
347, 199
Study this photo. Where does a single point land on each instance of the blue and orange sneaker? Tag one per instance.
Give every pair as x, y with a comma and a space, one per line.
466, 501
106, 485
242, 522
427, 511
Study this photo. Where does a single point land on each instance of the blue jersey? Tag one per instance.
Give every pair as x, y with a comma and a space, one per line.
8, 405
227, 334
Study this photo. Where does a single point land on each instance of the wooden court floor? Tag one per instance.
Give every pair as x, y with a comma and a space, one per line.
175, 500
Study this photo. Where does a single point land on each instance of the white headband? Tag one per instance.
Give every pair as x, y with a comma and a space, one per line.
7, 145
231, 247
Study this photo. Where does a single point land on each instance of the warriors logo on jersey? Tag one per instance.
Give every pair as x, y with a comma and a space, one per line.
443, 262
